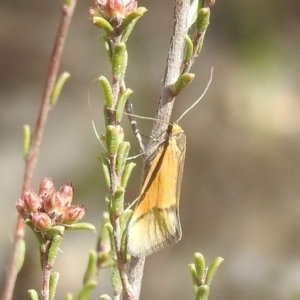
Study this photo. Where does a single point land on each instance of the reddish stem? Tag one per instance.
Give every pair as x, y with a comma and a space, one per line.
67, 12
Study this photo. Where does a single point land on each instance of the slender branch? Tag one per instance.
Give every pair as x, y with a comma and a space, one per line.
173, 70
67, 13
135, 266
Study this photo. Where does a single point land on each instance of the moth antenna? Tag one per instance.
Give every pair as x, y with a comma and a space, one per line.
200, 98
132, 203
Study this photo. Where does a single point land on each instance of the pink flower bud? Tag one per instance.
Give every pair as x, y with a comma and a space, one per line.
46, 188
41, 221
73, 213
21, 209
116, 9
32, 202
53, 203
66, 193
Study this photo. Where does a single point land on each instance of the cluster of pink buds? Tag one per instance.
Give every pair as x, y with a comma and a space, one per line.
50, 207
113, 9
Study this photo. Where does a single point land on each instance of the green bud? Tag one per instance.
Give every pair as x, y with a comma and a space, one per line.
122, 155
115, 278
194, 276
130, 21
102, 23
200, 267
107, 115
81, 226
21, 254
106, 168
58, 87
33, 294
52, 254
26, 140
55, 230
212, 269
119, 60
121, 104
189, 49
118, 202
87, 290
91, 270
112, 139
107, 91
53, 285
110, 229
202, 21
182, 82
126, 173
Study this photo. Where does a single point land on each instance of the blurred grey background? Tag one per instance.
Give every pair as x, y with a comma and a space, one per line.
241, 187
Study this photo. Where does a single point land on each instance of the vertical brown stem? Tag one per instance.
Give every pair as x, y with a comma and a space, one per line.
67, 13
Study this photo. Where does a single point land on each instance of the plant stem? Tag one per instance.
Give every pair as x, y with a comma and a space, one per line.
135, 267
67, 13
173, 67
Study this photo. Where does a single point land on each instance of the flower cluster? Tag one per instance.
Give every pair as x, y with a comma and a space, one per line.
113, 9
50, 207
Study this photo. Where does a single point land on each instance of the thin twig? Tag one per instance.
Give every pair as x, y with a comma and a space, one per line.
135, 266
67, 13
173, 70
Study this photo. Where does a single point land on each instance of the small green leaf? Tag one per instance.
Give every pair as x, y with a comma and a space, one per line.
110, 229
26, 140
200, 267
21, 254
212, 269
182, 82
194, 276
33, 295
203, 19
106, 168
119, 61
121, 104
189, 49
102, 23
122, 155
116, 279
118, 202
53, 285
52, 254
130, 21
126, 174
55, 230
91, 270
112, 139
107, 91
87, 290
81, 226
58, 87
